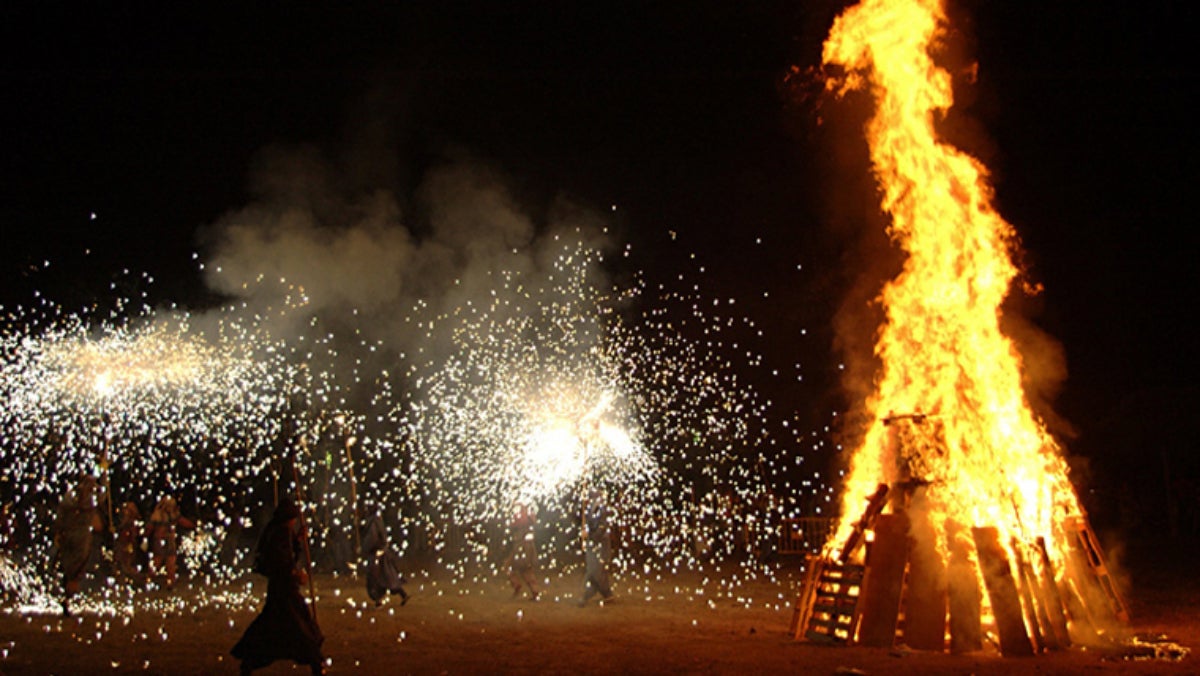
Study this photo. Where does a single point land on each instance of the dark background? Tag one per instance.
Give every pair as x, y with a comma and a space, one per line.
678, 113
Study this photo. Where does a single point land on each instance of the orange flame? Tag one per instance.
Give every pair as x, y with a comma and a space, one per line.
950, 380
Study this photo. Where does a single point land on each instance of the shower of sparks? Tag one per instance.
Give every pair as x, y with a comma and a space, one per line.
557, 386
549, 386
151, 404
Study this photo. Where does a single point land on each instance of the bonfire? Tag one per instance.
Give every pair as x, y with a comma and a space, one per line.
959, 522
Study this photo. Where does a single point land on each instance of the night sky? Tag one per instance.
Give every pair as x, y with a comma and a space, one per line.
678, 114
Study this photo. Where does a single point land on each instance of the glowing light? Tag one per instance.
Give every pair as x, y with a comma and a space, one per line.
948, 415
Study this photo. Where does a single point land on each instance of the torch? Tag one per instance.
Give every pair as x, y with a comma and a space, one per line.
301, 440
583, 503
104, 468
312, 592
349, 443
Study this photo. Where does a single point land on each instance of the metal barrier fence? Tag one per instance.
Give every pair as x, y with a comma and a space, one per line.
804, 535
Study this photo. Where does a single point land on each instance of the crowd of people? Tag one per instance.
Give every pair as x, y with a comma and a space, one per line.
146, 551
141, 551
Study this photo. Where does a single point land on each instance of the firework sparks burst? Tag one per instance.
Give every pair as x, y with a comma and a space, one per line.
563, 445
555, 386
560, 385
144, 400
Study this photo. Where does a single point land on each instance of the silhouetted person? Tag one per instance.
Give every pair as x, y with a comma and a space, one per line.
128, 556
383, 563
286, 628
597, 547
77, 521
164, 540
522, 554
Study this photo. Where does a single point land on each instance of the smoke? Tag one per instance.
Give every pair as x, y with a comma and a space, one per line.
377, 260
867, 258
357, 258
1043, 364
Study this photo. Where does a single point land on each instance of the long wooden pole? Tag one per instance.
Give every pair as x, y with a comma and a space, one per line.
353, 498
104, 467
312, 591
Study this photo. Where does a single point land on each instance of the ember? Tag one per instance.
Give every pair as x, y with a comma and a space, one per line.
1140, 648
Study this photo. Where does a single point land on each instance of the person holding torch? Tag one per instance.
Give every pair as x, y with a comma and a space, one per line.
286, 629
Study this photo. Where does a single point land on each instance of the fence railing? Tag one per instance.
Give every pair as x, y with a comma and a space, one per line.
804, 535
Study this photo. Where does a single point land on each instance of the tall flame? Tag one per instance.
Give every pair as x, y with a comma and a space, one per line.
949, 412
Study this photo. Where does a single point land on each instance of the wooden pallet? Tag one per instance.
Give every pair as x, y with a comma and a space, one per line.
1087, 549
825, 610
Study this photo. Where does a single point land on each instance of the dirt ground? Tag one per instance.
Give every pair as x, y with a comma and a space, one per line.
692, 623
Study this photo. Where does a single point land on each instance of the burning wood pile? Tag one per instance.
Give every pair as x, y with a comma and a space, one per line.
959, 523
897, 579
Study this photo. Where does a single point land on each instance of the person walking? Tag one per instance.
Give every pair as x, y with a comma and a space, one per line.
597, 547
164, 539
286, 629
128, 554
382, 563
522, 554
77, 521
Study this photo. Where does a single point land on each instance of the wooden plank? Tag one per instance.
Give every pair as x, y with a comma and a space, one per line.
1035, 616
1052, 598
837, 579
1002, 592
884, 581
1089, 547
964, 594
874, 506
806, 599
1074, 586
925, 600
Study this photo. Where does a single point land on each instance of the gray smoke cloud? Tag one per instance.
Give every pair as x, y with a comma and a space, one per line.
366, 258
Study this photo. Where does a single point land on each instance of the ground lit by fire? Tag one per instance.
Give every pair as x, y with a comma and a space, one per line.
689, 622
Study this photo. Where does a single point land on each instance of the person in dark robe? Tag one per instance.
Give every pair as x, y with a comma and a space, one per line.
128, 555
522, 554
382, 563
75, 525
286, 629
597, 547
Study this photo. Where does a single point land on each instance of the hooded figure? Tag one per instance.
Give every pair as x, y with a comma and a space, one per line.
383, 563
286, 629
128, 555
